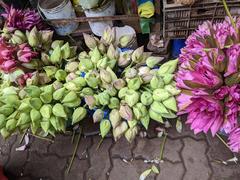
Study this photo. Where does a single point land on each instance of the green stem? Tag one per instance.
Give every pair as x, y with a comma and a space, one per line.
73, 136
99, 144
162, 147
42, 138
222, 140
75, 150
229, 15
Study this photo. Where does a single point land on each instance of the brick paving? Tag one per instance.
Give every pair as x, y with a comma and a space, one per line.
186, 157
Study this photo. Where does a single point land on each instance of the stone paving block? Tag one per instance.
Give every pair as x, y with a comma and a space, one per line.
223, 172
122, 148
38, 145
77, 170
195, 160
41, 166
172, 150
129, 171
84, 145
99, 159
6, 144
170, 171
3, 159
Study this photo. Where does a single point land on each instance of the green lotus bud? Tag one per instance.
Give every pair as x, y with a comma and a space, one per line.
5, 133
56, 56
71, 76
172, 90
58, 94
34, 127
16, 39
90, 41
96, 56
134, 83
137, 54
131, 133
102, 48
111, 73
125, 40
124, 58
103, 98
158, 107
137, 113
45, 125
131, 97
65, 50
146, 78
112, 53
24, 118
35, 103
24, 106
78, 115
105, 127
170, 103
131, 73
146, 98
114, 103
85, 65
98, 115
6, 110
167, 78
169, 115
143, 70
111, 63
57, 85
45, 58
145, 121
20, 34
156, 82
33, 38
115, 118
109, 35
50, 70
33, 91
160, 94
122, 92
58, 110
11, 124
105, 76
82, 55
120, 130
155, 116
90, 101
60, 75
2, 121
69, 97
168, 67
72, 86
54, 122
153, 61
57, 43
79, 81
11, 100
74, 103
46, 111
46, 97
126, 112
92, 80
87, 91
35, 115
111, 90
9, 90
46, 36
71, 66
119, 84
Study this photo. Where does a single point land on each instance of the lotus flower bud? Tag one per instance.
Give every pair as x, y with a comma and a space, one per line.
131, 73
114, 103
146, 78
87, 91
131, 97
33, 38
58, 110
11, 99
105, 76
46, 111
46, 97
24, 118
71, 66
102, 63
78, 115
111, 90
156, 82
11, 124
125, 58
35, 103
158, 108
65, 50
103, 98
160, 94
115, 118
98, 115
85, 65
57, 43
46, 37
50, 70
171, 103
20, 34
73, 104
33, 91
153, 71
5, 133
92, 80
6, 110
90, 101
153, 61
112, 53
167, 78
69, 97
120, 130
145, 121
72, 86
43, 79
56, 56
155, 116
109, 35
126, 112
35, 115
146, 98
96, 55
17, 39
134, 83
124, 40
60, 75
168, 67
2, 121
90, 41
122, 92
105, 127
80, 81
58, 94
119, 84
131, 133
57, 85
71, 76
172, 90
45, 125
102, 48
137, 54
143, 70
45, 58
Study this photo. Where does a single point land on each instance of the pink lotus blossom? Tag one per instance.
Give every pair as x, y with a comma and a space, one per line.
21, 80
25, 54
234, 140
221, 93
8, 65
233, 53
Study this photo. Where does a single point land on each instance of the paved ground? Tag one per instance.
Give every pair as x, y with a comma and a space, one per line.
186, 157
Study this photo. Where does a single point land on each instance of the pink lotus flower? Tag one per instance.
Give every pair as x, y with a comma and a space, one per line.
221, 93
8, 65
233, 53
21, 80
234, 140
25, 54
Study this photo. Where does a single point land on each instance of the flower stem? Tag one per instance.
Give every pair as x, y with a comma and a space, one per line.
162, 146
229, 15
221, 139
75, 150
73, 136
99, 144
42, 138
